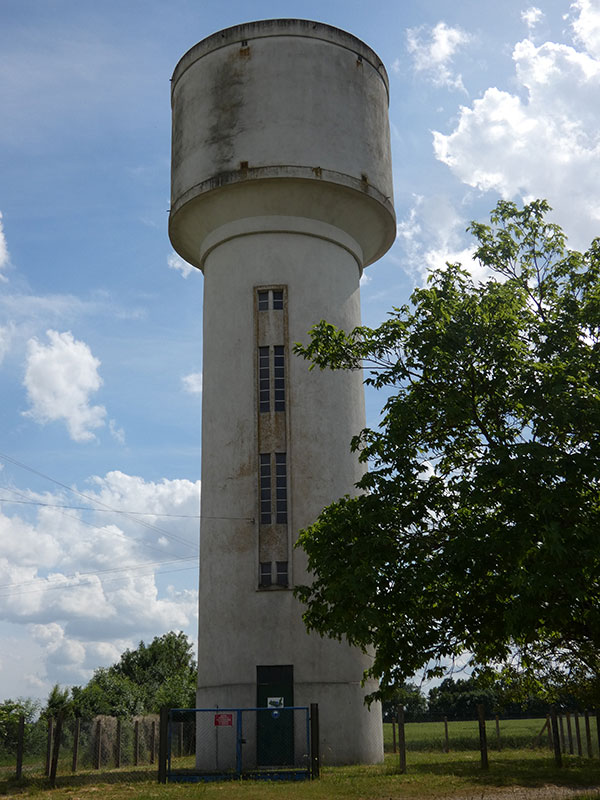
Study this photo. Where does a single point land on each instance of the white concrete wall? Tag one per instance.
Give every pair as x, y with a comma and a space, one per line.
240, 626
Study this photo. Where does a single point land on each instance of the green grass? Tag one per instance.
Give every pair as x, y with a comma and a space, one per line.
429, 775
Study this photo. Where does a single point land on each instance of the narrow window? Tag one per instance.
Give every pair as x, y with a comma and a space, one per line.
282, 573
263, 301
279, 377
280, 488
265, 573
265, 488
264, 399
277, 299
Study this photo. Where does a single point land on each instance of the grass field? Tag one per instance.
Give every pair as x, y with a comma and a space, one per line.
464, 735
431, 773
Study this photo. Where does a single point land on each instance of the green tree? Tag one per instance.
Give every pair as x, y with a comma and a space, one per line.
460, 697
410, 697
143, 680
59, 701
476, 528
10, 713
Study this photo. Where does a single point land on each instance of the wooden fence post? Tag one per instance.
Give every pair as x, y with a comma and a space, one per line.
136, 743
152, 741
569, 733
76, 734
482, 736
588, 732
578, 735
98, 745
393, 734
563, 741
549, 727
118, 744
556, 738
401, 741
55, 749
20, 741
49, 744
498, 733
446, 739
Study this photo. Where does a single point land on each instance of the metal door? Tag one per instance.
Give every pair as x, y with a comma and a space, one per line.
275, 725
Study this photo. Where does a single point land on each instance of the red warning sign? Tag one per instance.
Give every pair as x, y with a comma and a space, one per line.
223, 720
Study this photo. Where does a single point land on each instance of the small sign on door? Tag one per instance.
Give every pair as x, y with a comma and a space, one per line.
275, 702
223, 720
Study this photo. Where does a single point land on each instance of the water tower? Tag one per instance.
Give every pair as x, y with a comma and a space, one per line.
281, 194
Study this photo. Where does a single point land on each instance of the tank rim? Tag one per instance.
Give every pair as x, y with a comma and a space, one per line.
277, 27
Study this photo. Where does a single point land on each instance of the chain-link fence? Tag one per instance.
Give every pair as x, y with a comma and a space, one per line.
117, 748
219, 743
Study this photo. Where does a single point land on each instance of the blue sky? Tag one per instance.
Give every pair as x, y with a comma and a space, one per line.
101, 325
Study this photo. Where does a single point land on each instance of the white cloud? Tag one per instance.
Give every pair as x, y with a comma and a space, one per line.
542, 142
118, 434
532, 16
59, 378
192, 383
433, 51
4, 257
6, 336
176, 262
586, 26
433, 235
83, 586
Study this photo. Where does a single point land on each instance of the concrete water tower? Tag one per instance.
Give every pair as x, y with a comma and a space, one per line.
281, 194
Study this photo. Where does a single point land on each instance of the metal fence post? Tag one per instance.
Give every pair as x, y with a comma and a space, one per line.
315, 755
163, 744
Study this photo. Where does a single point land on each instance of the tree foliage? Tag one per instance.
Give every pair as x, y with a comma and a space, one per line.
476, 527
162, 673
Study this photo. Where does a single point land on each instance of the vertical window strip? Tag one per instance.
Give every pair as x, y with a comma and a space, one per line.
265, 573
264, 389
281, 577
277, 299
270, 299
263, 301
279, 377
265, 488
280, 488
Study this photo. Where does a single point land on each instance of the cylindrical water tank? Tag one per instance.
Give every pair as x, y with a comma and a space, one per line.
281, 117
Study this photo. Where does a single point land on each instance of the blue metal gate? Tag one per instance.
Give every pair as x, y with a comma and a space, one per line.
214, 744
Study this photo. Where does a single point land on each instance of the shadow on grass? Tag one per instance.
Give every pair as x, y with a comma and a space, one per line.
533, 771
12, 785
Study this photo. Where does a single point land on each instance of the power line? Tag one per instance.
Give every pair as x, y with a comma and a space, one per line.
93, 500
95, 510
63, 586
140, 542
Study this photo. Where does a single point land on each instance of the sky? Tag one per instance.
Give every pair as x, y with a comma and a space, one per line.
101, 322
